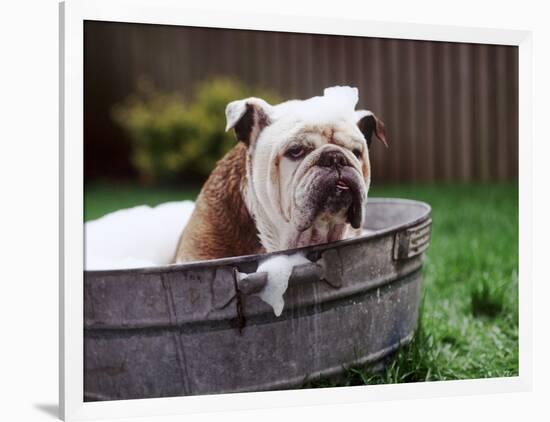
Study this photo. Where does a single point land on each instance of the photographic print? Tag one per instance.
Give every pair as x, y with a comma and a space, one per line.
278, 210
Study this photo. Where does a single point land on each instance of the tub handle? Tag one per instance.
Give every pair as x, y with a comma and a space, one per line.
255, 282
412, 241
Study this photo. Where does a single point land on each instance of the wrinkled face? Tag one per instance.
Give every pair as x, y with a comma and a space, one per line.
307, 179
319, 175
310, 180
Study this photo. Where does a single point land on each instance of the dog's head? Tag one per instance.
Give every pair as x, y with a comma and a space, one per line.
308, 170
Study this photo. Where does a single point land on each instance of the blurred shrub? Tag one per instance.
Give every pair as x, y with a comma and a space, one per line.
172, 137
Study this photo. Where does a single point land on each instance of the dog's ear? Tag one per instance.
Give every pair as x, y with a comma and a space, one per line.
248, 117
370, 125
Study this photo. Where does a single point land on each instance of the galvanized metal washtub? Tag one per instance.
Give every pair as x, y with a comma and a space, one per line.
198, 329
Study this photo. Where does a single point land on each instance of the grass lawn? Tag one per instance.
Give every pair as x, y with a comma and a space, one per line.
468, 326
100, 199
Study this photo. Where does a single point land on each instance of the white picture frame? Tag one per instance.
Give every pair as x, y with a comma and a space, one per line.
73, 13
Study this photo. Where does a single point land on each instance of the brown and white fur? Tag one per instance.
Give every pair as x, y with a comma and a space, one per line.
298, 176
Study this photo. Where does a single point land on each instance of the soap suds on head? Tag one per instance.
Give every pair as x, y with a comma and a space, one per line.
337, 102
278, 269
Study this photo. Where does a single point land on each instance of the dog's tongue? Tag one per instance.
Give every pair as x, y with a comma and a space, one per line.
342, 185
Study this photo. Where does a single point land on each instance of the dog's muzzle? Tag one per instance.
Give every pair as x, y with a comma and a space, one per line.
334, 186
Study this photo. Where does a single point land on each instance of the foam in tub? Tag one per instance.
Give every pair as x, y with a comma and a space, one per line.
141, 236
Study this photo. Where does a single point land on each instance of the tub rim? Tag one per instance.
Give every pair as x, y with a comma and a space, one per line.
240, 259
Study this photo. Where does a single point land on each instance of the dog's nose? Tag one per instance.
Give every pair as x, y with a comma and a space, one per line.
333, 159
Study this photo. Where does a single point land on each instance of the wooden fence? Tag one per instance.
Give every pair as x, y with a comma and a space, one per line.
451, 109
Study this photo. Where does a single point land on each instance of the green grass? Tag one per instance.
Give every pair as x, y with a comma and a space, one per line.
468, 326
100, 199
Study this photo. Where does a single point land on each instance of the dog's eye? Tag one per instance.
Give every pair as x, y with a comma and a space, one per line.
295, 152
357, 152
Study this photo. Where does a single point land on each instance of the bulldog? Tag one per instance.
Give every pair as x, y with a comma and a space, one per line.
299, 175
